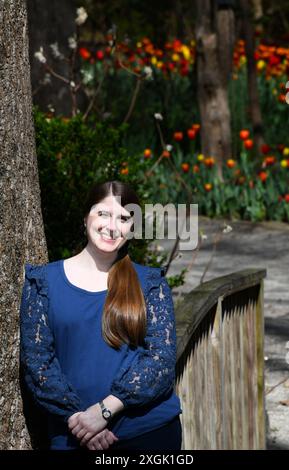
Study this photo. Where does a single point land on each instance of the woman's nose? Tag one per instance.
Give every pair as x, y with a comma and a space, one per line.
112, 225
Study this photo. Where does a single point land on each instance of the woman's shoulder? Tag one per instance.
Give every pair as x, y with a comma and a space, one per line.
150, 277
38, 274
149, 270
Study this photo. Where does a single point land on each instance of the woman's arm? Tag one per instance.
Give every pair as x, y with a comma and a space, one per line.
151, 373
41, 369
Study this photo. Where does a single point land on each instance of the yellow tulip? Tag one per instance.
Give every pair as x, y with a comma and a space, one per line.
261, 64
186, 52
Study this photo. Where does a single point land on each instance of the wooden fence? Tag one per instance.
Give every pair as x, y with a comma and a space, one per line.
220, 363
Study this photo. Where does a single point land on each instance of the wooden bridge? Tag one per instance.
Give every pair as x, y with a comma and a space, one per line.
220, 363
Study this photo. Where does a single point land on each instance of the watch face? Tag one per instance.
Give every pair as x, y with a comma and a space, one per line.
106, 414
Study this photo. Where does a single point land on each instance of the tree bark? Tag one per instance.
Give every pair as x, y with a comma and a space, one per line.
214, 40
254, 104
22, 236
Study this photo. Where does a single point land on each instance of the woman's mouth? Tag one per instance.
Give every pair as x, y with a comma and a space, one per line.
107, 239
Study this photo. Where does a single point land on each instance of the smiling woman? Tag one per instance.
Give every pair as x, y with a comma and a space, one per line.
98, 339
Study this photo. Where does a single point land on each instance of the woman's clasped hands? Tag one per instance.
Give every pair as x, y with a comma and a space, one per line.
89, 427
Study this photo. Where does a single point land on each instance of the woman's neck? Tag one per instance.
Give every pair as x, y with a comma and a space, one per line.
94, 259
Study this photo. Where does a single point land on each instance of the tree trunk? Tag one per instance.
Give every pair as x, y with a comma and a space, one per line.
214, 39
258, 9
254, 104
22, 236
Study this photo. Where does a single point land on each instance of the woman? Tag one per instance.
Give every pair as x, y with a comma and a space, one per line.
98, 339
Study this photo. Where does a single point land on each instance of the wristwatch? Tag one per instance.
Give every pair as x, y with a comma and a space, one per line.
106, 413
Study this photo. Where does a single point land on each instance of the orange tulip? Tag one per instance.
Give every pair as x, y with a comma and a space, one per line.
124, 171
208, 187
244, 134
248, 144
196, 127
209, 162
263, 176
231, 163
166, 154
84, 53
286, 197
178, 136
147, 153
269, 160
185, 167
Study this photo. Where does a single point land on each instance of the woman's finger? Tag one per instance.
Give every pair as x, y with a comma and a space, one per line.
111, 438
104, 443
76, 429
81, 433
86, 438
73, 420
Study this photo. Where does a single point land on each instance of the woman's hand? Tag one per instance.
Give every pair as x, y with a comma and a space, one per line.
100, 441
86, 424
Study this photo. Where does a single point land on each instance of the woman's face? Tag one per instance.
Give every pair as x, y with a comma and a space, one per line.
107, 224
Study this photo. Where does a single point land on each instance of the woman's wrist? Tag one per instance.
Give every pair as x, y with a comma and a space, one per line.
114, 404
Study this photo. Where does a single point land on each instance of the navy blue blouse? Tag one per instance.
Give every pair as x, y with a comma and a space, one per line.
68, 366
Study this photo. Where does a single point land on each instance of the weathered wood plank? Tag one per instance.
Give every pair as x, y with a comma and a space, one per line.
220, 370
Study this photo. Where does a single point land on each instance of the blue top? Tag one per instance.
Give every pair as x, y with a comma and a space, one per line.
68, 366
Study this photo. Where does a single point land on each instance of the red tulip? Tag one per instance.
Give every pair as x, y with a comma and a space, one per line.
248, 144
191, 134
178, 136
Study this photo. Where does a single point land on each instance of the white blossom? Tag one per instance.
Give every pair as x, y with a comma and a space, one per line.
72, 42
169, 148
158, 116
72, 84
87, 76
148, 72
81, 16
40, 56
227, 228
55, 51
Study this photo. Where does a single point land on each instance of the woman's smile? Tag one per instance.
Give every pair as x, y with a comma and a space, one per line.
108, 239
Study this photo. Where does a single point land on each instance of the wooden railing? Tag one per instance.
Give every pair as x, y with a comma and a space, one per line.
220, 363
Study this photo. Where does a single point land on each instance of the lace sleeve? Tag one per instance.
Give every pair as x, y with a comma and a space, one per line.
40, 366
151, 373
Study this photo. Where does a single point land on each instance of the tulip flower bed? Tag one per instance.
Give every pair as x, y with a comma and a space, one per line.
160, 150
252, 188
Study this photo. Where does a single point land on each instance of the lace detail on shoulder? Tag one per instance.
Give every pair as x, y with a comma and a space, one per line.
151, 373
41, 368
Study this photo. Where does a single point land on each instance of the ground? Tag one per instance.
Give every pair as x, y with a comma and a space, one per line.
252, 245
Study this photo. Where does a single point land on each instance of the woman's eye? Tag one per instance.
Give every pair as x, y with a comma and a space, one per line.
103, 213
125, 218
